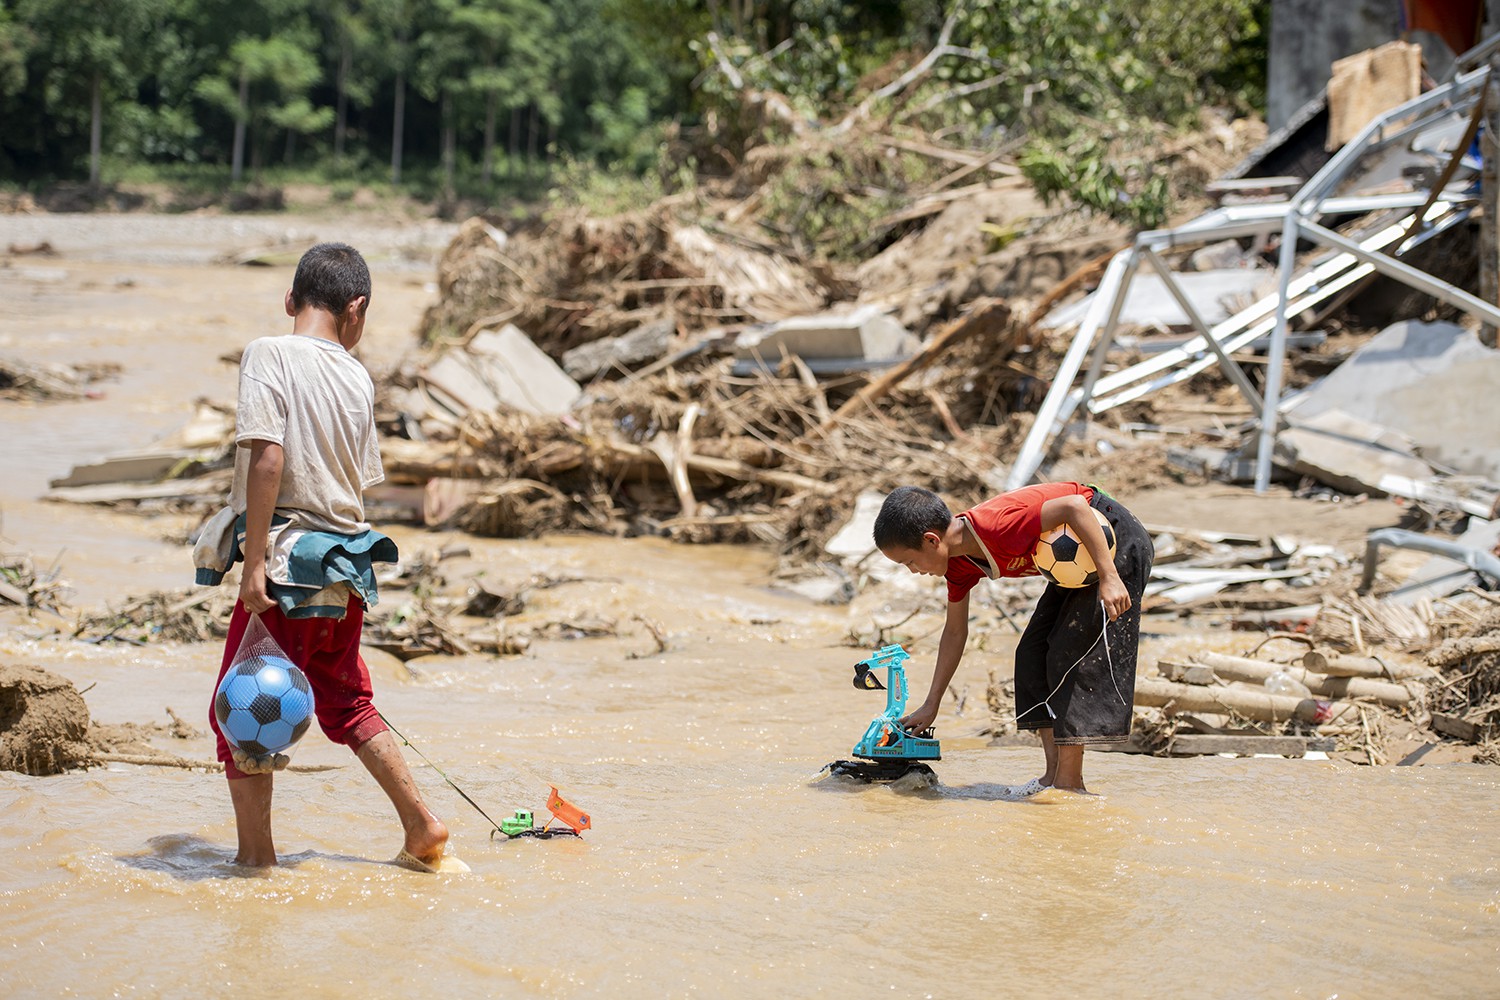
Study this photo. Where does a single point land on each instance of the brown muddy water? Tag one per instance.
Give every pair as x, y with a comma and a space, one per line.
719, 863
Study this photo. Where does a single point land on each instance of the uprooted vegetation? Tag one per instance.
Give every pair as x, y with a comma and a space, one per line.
968, 245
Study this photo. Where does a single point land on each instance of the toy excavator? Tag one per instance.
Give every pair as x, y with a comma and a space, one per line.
886, 750
523, 824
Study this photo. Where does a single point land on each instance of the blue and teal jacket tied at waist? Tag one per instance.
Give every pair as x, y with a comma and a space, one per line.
309, 573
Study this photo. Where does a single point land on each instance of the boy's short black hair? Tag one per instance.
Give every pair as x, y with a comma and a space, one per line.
908, 514
330, 276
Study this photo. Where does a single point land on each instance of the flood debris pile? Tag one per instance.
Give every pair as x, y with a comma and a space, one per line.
37, 381
427, 614
715, 448
585, 279
1375, 685
763, 356
22, 585
188, 470
198, 615
1466, 704
1244, 580
1316, 701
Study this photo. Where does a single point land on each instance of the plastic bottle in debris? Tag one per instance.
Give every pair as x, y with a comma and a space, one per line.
1282, 682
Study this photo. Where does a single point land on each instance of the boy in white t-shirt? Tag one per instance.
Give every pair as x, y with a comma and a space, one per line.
305, 428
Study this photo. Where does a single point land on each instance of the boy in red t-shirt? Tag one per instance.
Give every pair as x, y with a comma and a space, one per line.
1075, 662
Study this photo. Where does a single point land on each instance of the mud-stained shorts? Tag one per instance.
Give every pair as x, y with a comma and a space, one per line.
327, 650
1091, 703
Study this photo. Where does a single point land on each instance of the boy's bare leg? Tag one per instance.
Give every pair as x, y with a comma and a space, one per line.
1064, 764
425, 833
1069, 774
251, 796
1050, 750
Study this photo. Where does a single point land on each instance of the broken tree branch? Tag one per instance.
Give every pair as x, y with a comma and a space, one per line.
906, 79
988, 316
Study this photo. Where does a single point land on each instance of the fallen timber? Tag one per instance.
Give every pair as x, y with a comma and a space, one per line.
1153, 692
417, 462
1335, 665
1194, 744
1239, 668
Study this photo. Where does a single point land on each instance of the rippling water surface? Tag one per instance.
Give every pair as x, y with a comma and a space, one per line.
720, 863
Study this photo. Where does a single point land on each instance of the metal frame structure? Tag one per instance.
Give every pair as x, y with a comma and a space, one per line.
1295, 219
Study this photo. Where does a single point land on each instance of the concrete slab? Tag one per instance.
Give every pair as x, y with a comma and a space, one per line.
641, 345
1347, 453
1213, 293
1431, 381
855, 539
453, 383
867, 333
500, 368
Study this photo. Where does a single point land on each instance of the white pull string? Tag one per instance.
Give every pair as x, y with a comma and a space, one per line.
1108, 657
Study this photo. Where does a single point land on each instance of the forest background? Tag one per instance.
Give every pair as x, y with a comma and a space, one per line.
482, 103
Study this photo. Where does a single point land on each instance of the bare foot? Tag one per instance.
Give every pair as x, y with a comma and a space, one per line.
1080, 790
255, 860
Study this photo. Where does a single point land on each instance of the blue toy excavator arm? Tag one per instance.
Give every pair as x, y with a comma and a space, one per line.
893, 659
884, 738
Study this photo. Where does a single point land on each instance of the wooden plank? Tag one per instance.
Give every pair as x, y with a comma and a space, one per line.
1186, 673
1463, 729
1248, 744
144, 467
174, 489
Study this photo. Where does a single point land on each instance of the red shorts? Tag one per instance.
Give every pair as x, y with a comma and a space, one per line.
327, 650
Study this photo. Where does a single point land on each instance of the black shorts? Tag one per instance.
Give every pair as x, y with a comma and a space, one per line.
1069, 678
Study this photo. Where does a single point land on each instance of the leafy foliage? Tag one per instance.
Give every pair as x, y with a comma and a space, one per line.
1130, 191
492, 94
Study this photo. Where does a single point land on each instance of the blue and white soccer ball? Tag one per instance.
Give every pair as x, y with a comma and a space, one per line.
263, 704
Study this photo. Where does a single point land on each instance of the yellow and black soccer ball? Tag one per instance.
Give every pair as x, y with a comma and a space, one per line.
1062, 558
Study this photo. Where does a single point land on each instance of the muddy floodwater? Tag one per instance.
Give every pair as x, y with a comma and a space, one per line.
720, 863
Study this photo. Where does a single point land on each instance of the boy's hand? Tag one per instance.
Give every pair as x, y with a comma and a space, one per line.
259, 764
918, 721
1114, 595
253, 593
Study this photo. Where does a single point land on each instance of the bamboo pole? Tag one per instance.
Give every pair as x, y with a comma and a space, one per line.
1238, 668
1335, 665
1153, 692
173, 760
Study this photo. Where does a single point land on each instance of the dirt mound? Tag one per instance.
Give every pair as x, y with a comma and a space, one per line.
43, 721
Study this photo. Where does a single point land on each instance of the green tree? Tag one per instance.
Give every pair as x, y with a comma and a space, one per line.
358, 39
439, 65
15, 41
626, 70
266, 79
383, 53
92, 49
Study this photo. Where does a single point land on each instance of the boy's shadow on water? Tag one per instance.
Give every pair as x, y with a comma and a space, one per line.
990, 791
192, 859
932, 788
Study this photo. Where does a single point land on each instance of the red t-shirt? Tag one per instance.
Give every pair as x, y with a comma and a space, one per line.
1007, 528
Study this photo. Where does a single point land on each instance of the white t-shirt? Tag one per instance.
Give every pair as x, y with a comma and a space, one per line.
316, 400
